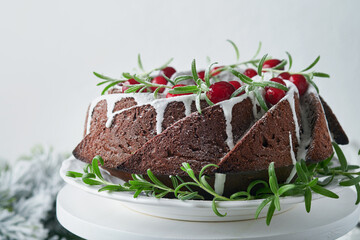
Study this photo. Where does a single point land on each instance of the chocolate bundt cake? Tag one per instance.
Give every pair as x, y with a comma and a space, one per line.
134, 132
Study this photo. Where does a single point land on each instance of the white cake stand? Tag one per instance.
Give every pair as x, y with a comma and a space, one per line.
93, 217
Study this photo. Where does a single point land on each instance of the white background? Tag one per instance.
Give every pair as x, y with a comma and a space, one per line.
49, 49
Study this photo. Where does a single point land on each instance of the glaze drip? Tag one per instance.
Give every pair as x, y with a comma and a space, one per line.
219, 183
227, 107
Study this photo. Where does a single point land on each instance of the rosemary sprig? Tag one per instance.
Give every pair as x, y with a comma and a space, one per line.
143, 78
309, 75
306, 183
201, 87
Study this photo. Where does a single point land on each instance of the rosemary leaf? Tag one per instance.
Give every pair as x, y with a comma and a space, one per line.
238, 91
134, 88
261, 206
109, 86
113, 188
96, 169
241, 76
204, 168
261, 100
182, 78
312, 64
351, 182
300, 172
168, 79
308, 198
270, 84
257, 52
323, 191
320, 74
73, 174
101, 83
208, 100
312, 83
91, 181
174, 181
277, 203
162, 194
341, 156
155, 179
164, 65
215, 210
281, 64
270, 212
236, 49
205, 183
261, 63
127, 75
185, 89
156, 92
140, 63
254, 183
193, 70
184, 184
285, 188
240, 195
106, 77
290, 60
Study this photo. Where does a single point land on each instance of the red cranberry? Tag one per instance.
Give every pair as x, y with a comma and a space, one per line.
272, 63
216, 71
169, 95
131, 81
237, 85
250, 72
278, 80
220, 91
159, 80
168, 71
300, 82
201, 75
284, 75
273, 95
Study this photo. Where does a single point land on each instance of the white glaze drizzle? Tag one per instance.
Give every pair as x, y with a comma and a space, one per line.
160, 106
227, 107
219, 183
187, 104
290, 97
111, 100
293, 158
141, 99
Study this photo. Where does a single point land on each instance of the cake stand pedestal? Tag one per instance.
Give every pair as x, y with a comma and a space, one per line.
93, 217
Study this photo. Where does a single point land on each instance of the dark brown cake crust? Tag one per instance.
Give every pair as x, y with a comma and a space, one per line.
335, 128
129, 131
320, 146
198, 139
267, 141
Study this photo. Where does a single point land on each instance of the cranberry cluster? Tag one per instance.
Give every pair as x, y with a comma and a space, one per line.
222, 90
168, 72
273, 95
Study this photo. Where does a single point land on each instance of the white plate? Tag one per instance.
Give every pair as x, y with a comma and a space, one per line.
190, 210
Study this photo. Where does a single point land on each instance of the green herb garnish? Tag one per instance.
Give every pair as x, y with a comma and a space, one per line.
201, 87
306, 183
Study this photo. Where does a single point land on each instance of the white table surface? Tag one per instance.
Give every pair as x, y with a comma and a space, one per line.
93, 217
